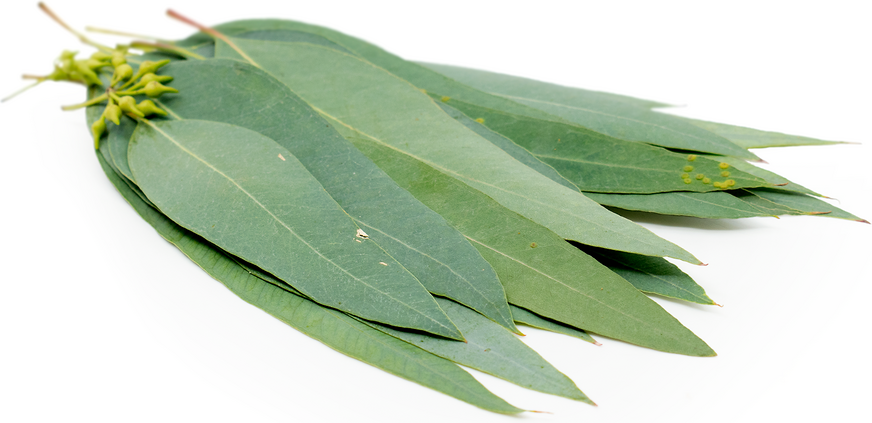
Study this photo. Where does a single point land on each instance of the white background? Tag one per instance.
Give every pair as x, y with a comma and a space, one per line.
103, 321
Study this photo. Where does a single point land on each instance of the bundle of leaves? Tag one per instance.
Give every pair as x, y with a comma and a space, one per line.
410, 215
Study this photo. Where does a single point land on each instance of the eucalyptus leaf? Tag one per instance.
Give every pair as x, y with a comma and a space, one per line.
804, 204
540, 271
336, 330
265, 207
493, 350
488, 347
526, 317
598, 163
505, 144
418, 238
779, 182
653, 275
390, 110
711, 205
619, 117
754, 138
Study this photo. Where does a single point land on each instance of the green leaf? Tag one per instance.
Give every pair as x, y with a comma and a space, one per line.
418, 238
599, 163
710, 205
780, 182
526, 317
117, 142
336, 330
800, 203
493, 350
516, 86
488, 347
619, 117
395, 113
653, 275
753, 138
519, 153
252, 198
540, 271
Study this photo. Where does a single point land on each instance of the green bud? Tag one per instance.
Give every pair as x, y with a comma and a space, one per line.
151, 67
95, 64
122, 72
75, 76
148, 108
155, 89
147, 67
101, 57
128, 104
58, 74
148, 78
68, 55
113, 113
118, 59
97, 129
88, 75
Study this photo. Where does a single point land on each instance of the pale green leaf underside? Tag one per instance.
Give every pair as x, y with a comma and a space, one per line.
389, 215
241, 195
396, 114
334, 329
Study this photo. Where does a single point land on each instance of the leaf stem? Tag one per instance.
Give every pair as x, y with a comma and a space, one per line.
90, 102
211, 31
168, 47
125, 34
78, 34
10, 96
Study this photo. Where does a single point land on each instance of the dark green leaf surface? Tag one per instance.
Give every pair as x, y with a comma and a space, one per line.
336, 330
540, 271
418, 238
653, 275
753, 138
395, 113
526, 317
599, 163
617, 116
493, 350
711, 205
252, 198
